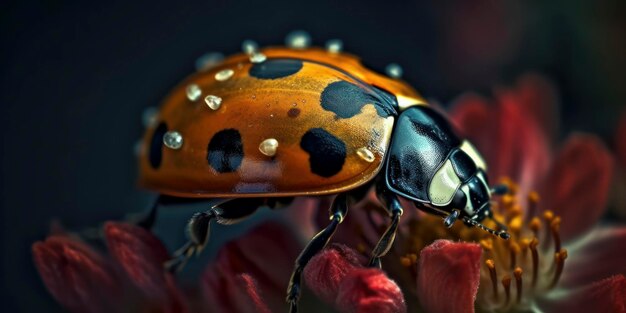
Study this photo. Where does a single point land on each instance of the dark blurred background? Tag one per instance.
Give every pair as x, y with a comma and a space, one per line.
75, 77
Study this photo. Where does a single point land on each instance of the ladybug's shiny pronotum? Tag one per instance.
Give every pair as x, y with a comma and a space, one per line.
267, 125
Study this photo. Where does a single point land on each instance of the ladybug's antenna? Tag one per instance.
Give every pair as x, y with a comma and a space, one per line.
500, 233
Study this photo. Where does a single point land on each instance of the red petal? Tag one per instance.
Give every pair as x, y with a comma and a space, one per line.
475, 118
607, 295
329, 268
142, 256
578, 184
602, 256
620, 139
80, 279
448, 276
540, 98
369, 290
507, 135
522, 147
266, 253
251, 289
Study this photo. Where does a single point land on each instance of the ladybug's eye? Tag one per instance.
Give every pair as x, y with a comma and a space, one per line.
155, 154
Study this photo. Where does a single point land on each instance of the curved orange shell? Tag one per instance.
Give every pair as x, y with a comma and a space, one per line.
283, 109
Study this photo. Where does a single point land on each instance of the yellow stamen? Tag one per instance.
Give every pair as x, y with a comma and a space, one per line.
518, 282
507, 201
559, 259
494, 277
535, 254
506, 283
360, 247
405, 261
515, 211
548, 216
523, 245
555, 225
535, 225
515, 225
533, 199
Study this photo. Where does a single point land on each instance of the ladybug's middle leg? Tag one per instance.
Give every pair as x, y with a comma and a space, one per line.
391, 203
338, 211
226, 212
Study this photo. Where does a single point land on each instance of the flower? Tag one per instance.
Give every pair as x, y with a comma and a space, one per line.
250, 274
130, 279
619, 190
557, 249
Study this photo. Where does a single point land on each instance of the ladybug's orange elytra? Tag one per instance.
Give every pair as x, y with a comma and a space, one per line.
295, 99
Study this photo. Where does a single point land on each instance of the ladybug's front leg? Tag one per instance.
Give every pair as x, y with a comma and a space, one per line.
338, 211
391, 203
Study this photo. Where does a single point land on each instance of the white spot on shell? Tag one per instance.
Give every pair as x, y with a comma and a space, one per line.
258, 57
209, 61
365, 154
224, 74
269, 146
193, 92
138, 148
298, 39
394, 70
149, 116
214, 102
249, 46
173, 140
334, 45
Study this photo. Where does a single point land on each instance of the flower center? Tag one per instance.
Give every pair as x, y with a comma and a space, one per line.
514, 271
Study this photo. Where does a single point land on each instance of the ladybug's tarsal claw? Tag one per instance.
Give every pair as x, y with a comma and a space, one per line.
338, 211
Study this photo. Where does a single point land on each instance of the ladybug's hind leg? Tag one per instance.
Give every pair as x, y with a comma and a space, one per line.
226, 212
338, 211
391, 203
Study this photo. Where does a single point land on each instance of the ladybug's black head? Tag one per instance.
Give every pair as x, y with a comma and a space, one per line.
429, 164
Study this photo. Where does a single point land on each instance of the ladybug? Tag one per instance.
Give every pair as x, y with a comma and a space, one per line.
267, 125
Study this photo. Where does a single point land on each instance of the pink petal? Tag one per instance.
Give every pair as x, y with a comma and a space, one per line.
448, 276
369, 290
620, 139
328, 269
602, 256
578, 184
80, 279
266, 253
605, 296
142, 255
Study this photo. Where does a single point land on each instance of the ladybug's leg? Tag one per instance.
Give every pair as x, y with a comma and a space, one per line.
338, 211
391, 203
226, 212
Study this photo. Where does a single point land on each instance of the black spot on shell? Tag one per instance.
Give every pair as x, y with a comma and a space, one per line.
155, 154
327, 153
274, 69
225, 151
293, 113
347, 100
